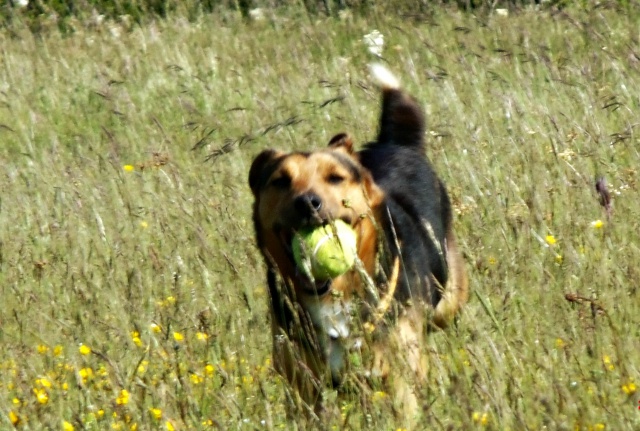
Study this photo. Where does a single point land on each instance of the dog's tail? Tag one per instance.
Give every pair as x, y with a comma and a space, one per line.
402, 121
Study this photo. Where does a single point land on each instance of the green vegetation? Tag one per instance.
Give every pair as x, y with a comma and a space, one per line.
132, 293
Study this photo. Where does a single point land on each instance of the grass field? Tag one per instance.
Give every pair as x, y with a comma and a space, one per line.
132, 293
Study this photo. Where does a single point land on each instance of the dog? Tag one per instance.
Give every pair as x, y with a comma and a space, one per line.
409, 274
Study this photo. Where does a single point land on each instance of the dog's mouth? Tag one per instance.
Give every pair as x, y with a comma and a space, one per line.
304, 279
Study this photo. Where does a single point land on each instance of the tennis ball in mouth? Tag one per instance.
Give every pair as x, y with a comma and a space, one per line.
325, 252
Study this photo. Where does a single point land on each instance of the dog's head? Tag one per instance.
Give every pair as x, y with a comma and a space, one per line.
297, 190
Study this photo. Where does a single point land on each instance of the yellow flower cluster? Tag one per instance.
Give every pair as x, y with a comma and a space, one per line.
169, 300
480, 418
135, 337
89, 370
85, 374
41, 395
123, 398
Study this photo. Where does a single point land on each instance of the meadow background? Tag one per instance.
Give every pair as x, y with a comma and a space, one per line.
132, 293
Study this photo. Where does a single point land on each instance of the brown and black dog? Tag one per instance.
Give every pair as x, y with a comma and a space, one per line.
409, 274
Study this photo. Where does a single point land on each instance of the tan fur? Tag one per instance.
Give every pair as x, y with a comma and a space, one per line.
456, 292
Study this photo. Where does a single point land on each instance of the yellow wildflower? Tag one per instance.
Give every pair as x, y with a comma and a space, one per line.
128, 168
16, 402
14, 418
607, 362
42, 349
144, 224
629, 388
195, 379
57, 351
178, 336
378, 396
123, 398
201, 336
67, 426
209, 370
44, 382
155, 328
560, 343
551, 240
599, 427
559, 259
598, 224
85, 374
170, 426
156, 413
135, 337
41, 395
84, 349
481, 418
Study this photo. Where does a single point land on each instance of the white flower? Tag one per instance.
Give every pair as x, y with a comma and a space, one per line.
374, 42
257, 14
115, 30
21, 3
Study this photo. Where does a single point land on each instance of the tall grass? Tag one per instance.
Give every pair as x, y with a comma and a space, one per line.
133, 295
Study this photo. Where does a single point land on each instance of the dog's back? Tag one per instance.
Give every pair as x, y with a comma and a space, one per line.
419, 212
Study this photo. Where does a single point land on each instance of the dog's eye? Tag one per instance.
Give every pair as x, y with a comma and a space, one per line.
335, 179
282, 182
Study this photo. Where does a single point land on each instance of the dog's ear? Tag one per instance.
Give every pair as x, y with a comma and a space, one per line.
342, 141
374, 193
257, 172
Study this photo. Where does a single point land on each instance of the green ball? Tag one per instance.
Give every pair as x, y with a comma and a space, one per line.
325, 252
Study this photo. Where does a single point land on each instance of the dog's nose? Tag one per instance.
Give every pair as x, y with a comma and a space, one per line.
308, 204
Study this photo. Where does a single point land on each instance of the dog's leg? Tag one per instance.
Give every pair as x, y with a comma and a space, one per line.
401, 364
456, 291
